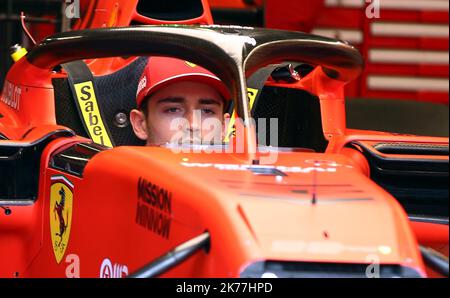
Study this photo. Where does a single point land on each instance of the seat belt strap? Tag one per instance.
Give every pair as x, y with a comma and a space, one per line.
82, 85
255, 85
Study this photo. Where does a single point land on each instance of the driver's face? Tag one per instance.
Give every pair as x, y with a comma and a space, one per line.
184, 112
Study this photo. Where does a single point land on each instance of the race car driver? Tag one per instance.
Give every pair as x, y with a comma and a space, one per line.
178, 103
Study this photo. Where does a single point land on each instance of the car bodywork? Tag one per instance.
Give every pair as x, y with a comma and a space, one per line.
73, 208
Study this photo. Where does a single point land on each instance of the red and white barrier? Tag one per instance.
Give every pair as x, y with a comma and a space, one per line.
406, 48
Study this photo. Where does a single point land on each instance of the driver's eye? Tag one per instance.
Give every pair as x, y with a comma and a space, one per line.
173, 110
208, 112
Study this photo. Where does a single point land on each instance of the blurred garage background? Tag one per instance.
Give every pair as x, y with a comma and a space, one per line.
404, 89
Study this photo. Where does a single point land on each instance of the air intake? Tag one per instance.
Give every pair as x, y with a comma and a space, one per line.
323, 270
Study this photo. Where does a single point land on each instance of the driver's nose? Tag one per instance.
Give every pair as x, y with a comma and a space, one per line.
194, 118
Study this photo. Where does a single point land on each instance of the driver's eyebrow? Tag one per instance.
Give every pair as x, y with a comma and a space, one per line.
209, 101
171, 100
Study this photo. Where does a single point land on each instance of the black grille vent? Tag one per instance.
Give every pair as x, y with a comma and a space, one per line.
323, 270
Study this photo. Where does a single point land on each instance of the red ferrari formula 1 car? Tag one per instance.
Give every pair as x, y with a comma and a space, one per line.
80, 197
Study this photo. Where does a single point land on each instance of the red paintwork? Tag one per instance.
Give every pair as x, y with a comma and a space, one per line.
246, 225
233, 3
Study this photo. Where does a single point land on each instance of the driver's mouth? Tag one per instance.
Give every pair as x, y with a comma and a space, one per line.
189, 138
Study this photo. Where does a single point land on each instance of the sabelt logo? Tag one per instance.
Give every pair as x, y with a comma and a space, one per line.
91, 113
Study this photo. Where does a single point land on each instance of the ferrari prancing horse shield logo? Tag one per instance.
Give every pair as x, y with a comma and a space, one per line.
61, 202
